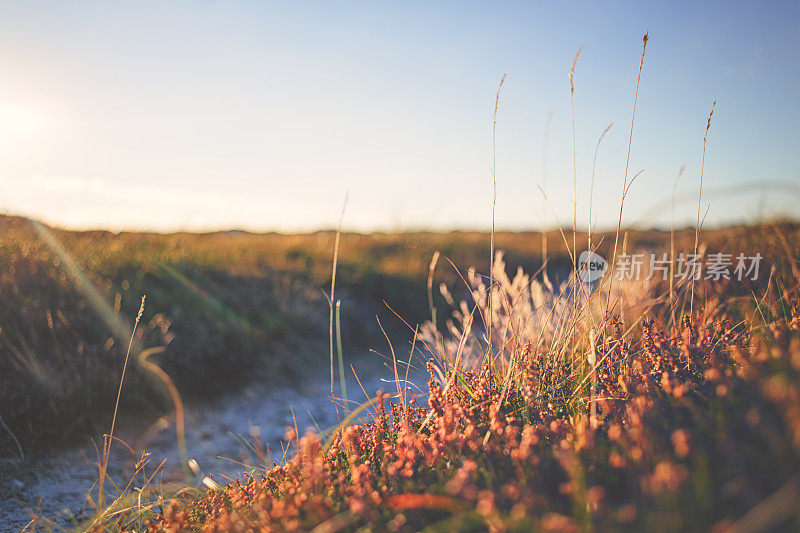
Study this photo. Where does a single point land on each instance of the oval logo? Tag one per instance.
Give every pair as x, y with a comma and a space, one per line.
591, 266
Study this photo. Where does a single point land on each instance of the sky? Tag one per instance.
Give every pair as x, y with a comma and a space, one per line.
265, 115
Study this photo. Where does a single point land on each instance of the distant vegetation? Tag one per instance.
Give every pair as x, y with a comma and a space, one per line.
607, 410
228, 307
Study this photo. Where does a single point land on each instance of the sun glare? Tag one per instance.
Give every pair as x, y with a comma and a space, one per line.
20, 122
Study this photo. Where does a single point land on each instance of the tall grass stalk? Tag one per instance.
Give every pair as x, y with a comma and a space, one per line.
672, 247
431, 270
110, 437
574, 163
341, 359
333, 279
700, 198
494, 203
591, 186
543, 215
180, 424
592, 360
622, 295
625, 185
574, 190
587, 286
400, 394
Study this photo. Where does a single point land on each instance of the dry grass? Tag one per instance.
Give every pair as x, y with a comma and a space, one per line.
656, 426
700, 193
244, 295
545, 410
549, 406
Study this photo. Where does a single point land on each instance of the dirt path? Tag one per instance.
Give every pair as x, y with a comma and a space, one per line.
55, 485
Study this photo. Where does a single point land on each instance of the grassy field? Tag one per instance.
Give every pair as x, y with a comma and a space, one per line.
227, 307
628, 409
518, 395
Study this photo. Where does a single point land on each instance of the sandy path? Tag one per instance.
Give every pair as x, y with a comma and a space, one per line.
62, 479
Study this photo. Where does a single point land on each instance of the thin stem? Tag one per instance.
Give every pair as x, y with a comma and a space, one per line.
591, 187
699, 199
672, 246
494, 202
574, 165
645, 38
341, 357
544, 188
333, 279
110, 438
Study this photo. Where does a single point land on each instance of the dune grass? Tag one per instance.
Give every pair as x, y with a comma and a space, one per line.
577, 423
632, 405
247, 296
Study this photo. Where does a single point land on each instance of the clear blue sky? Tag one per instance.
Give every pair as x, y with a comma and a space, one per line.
207, 115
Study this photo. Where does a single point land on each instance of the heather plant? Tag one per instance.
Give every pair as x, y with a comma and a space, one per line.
695, 425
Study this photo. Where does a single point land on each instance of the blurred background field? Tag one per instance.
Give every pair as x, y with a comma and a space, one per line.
231, 307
